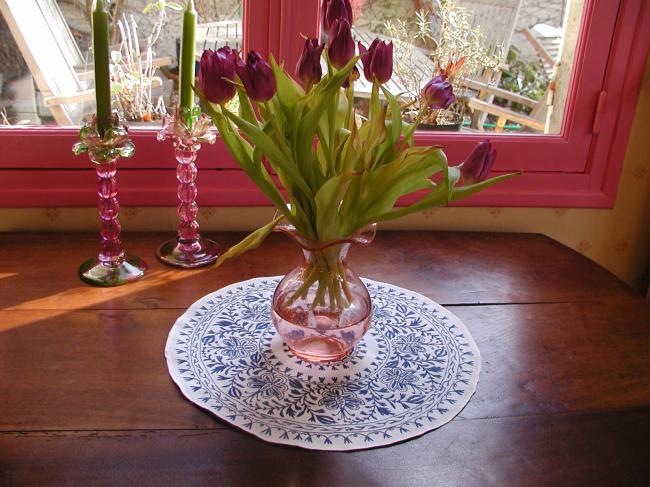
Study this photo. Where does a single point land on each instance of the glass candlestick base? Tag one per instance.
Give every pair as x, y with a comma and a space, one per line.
188, 255
97, 273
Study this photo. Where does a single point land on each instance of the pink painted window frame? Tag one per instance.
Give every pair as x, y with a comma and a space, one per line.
576, 168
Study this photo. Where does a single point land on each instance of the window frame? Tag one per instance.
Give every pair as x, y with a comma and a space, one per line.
575, 168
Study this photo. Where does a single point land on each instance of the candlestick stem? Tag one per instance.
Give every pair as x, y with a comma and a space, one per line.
189, 250
112, 266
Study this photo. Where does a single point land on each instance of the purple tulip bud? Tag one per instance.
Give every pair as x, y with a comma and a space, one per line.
340, 47
333, 10
309, 70
215, 68
478, 164
257, 77
377, 61
438, 93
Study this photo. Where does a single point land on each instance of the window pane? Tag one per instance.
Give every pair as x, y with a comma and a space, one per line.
46, 62
500, 54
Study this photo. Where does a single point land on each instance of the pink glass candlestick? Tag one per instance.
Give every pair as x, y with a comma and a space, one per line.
112, 267
188, 249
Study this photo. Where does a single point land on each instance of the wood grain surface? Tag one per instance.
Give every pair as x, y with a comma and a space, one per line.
85, 397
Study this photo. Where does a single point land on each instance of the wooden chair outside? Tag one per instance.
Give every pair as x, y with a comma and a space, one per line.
535, 121
547, 43
496, 19
546, 40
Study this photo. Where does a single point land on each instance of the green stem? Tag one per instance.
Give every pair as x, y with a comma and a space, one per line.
331, 282
302, 291
280, 136
375, 105
346, 287
326, 271
333, 115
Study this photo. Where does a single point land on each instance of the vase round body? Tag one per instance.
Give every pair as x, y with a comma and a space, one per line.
322, 309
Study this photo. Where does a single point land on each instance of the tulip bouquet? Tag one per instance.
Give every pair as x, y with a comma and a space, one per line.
328, 172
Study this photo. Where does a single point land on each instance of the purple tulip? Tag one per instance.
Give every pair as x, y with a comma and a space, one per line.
478, 164
257, 77
333, 10
340, 47
438, 93
215, 69
377, 61
309, 70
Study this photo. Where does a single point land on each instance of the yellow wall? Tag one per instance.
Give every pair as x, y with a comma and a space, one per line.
618, 239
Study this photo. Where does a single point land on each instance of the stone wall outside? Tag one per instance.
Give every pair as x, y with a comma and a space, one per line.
209, 10
373, 15
531, 12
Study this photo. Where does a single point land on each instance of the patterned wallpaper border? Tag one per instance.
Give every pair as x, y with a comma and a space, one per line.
618, 243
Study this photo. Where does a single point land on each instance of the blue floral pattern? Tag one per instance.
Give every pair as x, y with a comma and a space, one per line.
411, 344
398, 379
414, 371
234, 347
269, 385
341, 400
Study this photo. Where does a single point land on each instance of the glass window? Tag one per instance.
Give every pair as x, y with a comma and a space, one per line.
46, 62
572, 160
502, 56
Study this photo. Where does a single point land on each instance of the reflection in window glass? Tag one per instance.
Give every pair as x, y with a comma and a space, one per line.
46, 70
501, 55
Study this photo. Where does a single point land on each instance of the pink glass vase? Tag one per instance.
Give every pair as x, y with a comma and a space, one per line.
112, 266
322, 309
188, 249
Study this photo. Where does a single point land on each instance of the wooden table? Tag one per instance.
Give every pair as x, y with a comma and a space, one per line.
563, 398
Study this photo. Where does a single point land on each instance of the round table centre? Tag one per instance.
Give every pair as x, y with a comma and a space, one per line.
414, 370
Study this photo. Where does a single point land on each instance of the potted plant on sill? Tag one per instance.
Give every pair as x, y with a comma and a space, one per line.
446, 42
134, 67
331, 175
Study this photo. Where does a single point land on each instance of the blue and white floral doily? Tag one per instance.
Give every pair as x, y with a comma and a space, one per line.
414, 370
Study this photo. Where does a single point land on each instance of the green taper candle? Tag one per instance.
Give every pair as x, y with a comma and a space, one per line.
188, 50
102, 70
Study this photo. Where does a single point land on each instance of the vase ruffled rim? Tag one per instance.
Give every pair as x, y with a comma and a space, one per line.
363, 236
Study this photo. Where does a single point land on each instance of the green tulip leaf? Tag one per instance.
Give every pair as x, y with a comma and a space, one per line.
250, 242
470, 189
289, 92
396, 116
245, 107
328, 200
